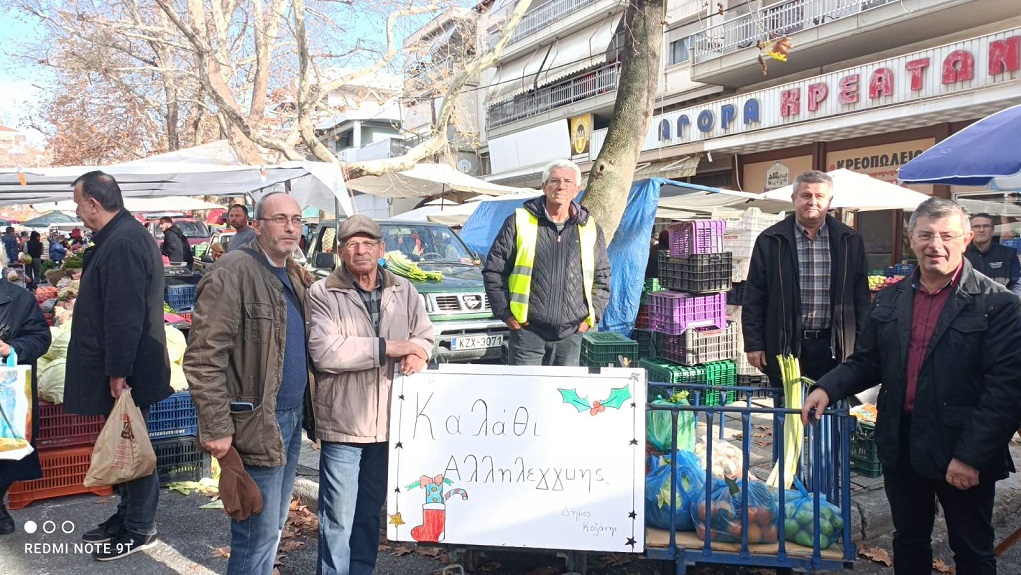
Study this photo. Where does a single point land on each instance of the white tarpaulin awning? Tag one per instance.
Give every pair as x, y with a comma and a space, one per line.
174, 204
210, 169
855, 191
428, 180
516, 77
580, 50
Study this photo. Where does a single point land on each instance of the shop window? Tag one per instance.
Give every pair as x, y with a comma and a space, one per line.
877, 229
680, 51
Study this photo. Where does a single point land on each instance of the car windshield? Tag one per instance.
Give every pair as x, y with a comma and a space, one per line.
429, 244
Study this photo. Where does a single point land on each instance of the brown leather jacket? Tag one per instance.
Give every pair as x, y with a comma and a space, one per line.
236, 352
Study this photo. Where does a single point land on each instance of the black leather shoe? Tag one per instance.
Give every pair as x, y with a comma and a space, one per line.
124, 544
106, 531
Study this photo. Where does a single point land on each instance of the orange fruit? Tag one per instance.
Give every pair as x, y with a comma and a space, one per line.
754, 533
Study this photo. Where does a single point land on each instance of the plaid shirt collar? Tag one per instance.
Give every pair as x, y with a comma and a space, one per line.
814, 276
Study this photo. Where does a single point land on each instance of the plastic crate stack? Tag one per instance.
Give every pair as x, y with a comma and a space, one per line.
65, 452
608, 349
692, 338
173, 430
742, 231
642, 334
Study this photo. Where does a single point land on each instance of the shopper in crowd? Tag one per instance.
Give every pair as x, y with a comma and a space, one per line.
944, 344
175, 243
216, 251
996, 261
807, 293
547, 275
247, 369
11, 246
118, 342
662, 244
367, 324
34, 249
58, 249
23, 331
237, 216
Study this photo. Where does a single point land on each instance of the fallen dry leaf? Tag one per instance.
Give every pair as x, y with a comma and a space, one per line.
402, 550
428, 551
615, 560
288, 546
221, 551
941, 567
876, 554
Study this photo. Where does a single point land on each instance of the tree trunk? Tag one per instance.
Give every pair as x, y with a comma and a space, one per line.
610, 179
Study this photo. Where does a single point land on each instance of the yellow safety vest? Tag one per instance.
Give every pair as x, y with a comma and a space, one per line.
520, 282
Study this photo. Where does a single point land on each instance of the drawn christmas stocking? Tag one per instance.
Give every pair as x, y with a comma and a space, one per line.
434, 519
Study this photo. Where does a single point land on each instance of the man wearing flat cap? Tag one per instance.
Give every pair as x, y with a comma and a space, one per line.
367, 324
247, 367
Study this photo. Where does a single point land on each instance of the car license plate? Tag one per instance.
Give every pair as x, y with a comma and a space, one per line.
475, 342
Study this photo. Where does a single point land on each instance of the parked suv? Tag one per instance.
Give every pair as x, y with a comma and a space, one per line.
466, 330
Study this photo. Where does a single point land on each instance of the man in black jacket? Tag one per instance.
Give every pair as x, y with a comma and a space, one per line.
946, 345
118, 342
807, 293
996, 261
175, 243
547, 275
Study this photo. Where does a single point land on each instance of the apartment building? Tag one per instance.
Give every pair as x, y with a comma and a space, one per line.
867, 85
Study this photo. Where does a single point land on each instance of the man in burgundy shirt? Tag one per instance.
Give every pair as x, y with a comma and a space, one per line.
946, 345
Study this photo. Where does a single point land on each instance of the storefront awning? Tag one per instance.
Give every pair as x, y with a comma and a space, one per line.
582, 50
672, 169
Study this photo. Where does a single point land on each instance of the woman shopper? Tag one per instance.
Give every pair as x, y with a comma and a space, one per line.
23, 330
34, 270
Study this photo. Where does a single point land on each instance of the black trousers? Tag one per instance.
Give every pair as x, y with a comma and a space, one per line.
816, 360
968, 515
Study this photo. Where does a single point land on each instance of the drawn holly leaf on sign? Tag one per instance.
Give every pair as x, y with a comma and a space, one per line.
618, 396
572, 398
876, 554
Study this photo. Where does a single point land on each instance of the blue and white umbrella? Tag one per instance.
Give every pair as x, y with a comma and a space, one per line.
986, 153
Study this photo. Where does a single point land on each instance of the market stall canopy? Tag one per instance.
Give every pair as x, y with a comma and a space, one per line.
209, 169
427, 180
855, 191
986, 153
172, 204
676, 199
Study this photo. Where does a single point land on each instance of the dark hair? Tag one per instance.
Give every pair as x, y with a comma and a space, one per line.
241, 207
103, 187
166, 220
982, 215
34, 237
9, 230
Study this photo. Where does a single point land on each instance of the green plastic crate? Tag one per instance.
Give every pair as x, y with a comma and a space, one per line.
660, 371
646, 342
723, 374
651, 285
864, 455
605, 348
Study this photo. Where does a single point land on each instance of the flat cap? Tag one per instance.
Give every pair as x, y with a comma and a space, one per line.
359, 224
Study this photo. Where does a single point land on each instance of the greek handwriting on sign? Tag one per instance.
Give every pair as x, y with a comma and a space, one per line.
480, 421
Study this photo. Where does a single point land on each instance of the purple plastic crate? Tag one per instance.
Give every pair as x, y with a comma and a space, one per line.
696, 237
673, 313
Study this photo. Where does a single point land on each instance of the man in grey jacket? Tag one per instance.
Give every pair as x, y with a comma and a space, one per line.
547, 275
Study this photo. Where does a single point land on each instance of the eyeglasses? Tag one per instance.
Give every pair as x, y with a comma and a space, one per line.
281, 221
981, 226
556, 182
366, 245
927, 237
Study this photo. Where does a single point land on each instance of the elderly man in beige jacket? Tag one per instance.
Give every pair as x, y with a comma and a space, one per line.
367, 324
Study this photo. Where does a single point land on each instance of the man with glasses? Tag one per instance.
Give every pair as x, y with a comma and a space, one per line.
547, 275
247, 369
996, 261
367, 325
944, 344
807, 293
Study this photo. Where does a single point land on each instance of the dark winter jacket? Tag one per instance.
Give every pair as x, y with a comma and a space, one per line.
967, 398
556, 303
118, 321
30, 337
34, 249
57, 251
176, 247
11, 246
771, 309
999, 263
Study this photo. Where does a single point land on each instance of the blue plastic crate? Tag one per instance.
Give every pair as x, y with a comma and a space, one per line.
180, 297
1012, 243
175, 416
899, 270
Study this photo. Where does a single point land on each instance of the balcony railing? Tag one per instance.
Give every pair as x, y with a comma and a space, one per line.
551, 97
541, 17
772, 22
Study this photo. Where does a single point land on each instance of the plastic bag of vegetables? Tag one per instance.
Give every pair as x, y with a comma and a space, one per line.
690, 486
799, 513
726, 511
728, 461
658, 424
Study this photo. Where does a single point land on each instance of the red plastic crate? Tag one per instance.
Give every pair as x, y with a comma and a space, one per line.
700, 345
674, 313
59, 429
696, 237
64, 471
642, 321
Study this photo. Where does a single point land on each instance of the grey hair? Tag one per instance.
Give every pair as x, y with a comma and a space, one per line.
561, 164
938, 208
812, 177
260, 206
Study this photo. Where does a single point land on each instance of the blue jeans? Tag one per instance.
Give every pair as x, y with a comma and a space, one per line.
352, 491
254, 541
139, 497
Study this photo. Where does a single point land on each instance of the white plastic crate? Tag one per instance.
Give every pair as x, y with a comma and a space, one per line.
700, 345
743, 367
742, 232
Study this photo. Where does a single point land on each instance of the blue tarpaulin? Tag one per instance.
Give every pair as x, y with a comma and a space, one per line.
629, 250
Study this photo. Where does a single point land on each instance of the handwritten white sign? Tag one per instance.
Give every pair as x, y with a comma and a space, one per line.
537, 457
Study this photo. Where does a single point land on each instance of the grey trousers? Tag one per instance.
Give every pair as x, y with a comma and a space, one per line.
529, 348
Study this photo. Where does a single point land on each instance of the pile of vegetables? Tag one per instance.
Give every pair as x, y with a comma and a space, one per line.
728, 462
794, 431
690, 489
726, 513
799, 513
659, 424
399, 264
73, 260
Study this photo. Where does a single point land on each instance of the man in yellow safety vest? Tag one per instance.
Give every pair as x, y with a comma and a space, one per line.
547, 275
